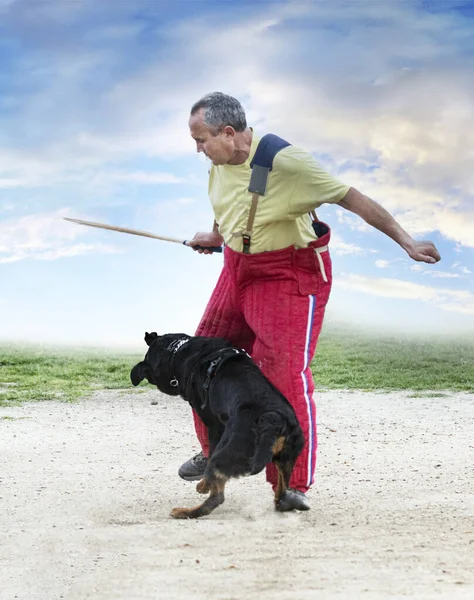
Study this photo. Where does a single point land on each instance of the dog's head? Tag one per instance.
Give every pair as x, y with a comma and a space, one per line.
156, 368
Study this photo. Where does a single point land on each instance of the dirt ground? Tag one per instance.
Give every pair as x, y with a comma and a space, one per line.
86, 490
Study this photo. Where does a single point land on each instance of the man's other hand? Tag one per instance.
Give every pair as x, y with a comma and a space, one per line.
423, 251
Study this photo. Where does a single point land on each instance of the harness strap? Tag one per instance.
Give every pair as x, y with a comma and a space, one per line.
173, 348
225, 355
176, 344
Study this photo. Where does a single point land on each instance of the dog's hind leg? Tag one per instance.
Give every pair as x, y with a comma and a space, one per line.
284, 458
283, 465
216, 497
286, 450
284, 473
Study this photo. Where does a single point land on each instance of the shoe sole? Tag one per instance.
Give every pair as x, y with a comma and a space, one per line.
191, 477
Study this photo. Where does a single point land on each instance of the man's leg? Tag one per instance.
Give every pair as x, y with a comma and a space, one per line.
287, 326
222, 318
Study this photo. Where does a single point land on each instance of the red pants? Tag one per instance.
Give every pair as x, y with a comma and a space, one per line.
272, 304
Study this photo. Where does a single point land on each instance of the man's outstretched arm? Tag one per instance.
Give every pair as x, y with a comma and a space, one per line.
375, 215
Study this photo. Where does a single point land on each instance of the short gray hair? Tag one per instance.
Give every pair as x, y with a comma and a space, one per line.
221, 110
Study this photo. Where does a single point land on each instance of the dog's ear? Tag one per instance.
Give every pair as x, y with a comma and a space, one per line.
150, 337
137, 374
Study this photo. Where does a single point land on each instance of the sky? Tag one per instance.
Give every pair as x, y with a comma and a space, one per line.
94, 102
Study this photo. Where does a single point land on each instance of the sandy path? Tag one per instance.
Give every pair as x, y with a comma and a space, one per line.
86, 489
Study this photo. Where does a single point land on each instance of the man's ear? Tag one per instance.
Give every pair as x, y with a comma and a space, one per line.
229, 131
137, 374
150, 337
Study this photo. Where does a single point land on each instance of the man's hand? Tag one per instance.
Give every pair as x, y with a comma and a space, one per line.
210, 238
423, 251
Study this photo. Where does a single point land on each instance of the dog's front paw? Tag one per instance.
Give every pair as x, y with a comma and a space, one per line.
203, 487
180, 513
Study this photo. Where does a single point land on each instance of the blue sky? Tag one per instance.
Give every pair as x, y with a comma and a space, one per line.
94, 102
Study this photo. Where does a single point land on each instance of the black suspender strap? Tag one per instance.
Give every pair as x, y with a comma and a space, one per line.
261, 165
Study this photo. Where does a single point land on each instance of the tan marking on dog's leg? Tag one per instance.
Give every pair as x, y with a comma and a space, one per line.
285, 470
278, 445
203, 486
276, 449
215, 498
281, 485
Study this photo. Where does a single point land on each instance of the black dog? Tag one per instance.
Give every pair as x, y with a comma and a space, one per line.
250, 423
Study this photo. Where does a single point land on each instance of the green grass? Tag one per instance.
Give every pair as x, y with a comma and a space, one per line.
357, 361
31, 374
343, 361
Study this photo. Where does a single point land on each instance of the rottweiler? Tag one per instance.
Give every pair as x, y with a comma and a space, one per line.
250, 422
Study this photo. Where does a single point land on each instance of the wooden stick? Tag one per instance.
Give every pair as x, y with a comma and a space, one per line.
126, 230
147, 234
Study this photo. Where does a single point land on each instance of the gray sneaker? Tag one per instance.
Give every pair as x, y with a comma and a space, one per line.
293, 500
193, 469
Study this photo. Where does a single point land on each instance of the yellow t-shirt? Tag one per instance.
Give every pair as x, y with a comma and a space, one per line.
296, 185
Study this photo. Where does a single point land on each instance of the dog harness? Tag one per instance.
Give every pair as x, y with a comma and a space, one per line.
176, 344
224, 356
173, 348
261, 165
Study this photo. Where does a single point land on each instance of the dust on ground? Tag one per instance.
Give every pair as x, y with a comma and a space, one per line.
86, 490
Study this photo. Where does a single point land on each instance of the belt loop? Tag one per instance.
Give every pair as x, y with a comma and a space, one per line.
322, 268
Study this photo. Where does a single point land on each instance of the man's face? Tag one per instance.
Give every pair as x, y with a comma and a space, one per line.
218, 148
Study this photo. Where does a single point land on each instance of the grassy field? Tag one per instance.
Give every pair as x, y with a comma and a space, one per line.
355, 361
60, 374
343, 361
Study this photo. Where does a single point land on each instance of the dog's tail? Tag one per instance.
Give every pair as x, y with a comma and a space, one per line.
269, 430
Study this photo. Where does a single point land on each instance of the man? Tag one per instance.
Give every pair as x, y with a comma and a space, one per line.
271, 296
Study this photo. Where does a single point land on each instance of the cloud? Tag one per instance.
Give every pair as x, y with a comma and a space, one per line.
370, 115
115, 32
459, 272
382, 264
442, 274
340, 247
391, 140
99, 95
35, 173
466, 308
44, 237
144, 178
18, 254
461, 301
462, 268
457, 224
